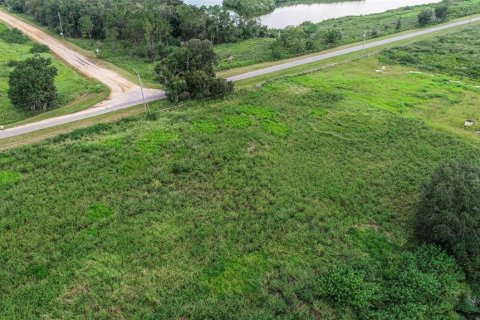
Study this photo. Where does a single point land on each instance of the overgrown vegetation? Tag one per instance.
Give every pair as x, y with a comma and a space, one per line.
455, 54
16, 47
293, 200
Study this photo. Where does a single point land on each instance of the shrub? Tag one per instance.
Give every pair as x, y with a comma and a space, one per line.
39, 48
441, 12
449, 213
425, 17
13, 36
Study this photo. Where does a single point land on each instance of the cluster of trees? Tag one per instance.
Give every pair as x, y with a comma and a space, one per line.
188, 72
148, 27
439, 14
304, 38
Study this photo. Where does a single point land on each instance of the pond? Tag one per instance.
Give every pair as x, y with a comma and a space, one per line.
293, 15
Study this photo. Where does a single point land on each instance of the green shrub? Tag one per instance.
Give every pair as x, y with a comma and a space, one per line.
13, 36
425, 17
449, 213
346, 287
97, 212
39, 48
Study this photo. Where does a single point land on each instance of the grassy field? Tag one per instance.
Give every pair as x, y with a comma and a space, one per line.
74, 90
289, 201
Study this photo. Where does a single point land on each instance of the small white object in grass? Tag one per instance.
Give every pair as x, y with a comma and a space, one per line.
468, 123
2, 127
384, 67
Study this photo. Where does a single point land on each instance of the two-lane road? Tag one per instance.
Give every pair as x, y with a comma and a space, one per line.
125, 94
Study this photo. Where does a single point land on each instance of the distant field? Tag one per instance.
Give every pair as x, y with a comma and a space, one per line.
74, 91
290, 201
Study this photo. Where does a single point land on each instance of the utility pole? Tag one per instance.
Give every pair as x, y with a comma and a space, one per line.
143, 96
364, 39
61, 26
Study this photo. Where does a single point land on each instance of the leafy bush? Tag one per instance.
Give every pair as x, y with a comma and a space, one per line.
449, 213
39, 48
424, 284
13, 36
346, 287
425, 17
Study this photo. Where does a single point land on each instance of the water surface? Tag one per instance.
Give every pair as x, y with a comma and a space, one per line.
294, 15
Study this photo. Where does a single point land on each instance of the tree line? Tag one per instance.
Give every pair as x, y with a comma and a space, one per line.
150, 27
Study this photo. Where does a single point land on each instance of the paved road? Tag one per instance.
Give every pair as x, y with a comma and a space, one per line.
126, 94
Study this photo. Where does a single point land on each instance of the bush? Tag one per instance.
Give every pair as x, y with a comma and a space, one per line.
424, 284
13, 36
441, 12
39, 48
449, 213
425, 17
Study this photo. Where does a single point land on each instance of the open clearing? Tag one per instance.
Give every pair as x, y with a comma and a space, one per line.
231, 208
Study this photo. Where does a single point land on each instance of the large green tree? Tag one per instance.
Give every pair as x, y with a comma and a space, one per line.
189, 72
31, 84
449, 213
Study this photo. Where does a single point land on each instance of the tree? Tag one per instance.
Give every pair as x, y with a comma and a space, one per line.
398, 24
425, 17
86, 26
441, 12
332, 37
31, 84
449, 213
189, 72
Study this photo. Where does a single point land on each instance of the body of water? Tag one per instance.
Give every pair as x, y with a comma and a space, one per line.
296, 14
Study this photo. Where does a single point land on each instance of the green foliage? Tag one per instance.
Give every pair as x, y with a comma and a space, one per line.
425, 17
449, 213
7, 178
455, 54
32, 84
13, 36
188, 72
332, 37
441, 12
250, 7
425, 284
240, 223
346, 287
39, 48
98, 212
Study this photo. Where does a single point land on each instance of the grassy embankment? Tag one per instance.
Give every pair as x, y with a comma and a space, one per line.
75, 92
255, 51
236, 207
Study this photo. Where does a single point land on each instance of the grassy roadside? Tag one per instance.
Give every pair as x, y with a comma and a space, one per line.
87, 53
236, 71
241, 85
352, 29
75, 92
